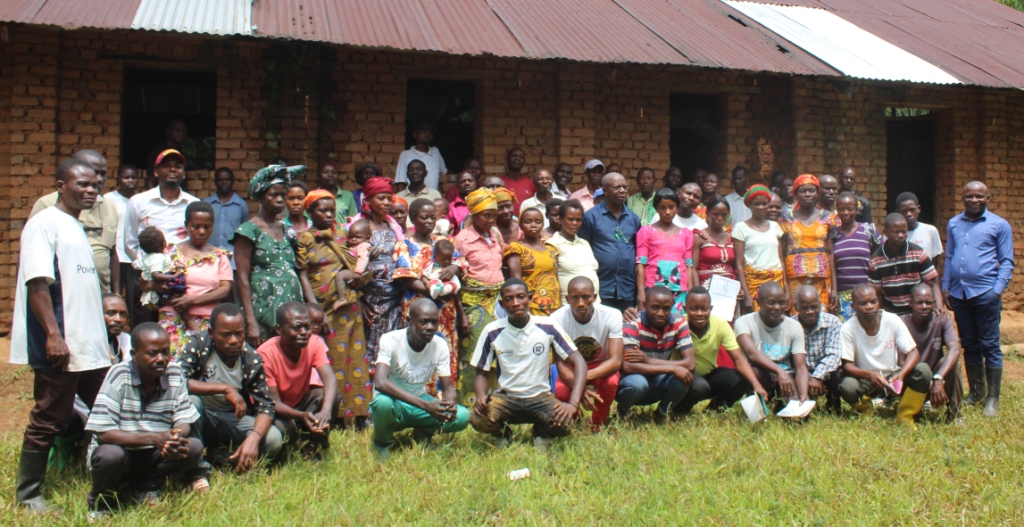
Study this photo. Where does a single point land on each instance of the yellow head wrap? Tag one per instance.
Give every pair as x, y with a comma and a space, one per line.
502, 194
480, 200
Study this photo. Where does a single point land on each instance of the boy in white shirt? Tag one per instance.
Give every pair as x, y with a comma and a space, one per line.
920, 234
521, 345
423, 133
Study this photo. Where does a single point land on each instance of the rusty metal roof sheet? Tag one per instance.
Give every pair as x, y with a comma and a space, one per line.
220, 17
71, 14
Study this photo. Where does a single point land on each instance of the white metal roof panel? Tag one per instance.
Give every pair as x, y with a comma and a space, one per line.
842, 44
220, 17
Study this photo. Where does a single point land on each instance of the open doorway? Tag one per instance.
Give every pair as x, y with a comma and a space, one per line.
450, 107
911, 166
693, 134
153, 98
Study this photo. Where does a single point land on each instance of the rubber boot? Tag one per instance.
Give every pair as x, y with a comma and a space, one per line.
31, 475
864, 406
995, 382
976, 382
910, 405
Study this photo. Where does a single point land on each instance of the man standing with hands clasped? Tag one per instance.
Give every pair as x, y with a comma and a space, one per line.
979, 263
407, 361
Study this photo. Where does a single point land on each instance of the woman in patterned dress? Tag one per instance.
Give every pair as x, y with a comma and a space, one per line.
322, 254
808, 244
535, 263
265, 256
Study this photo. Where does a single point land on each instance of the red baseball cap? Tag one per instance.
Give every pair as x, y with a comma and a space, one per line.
170, 152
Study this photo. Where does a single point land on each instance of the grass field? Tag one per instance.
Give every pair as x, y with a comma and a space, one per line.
707, 470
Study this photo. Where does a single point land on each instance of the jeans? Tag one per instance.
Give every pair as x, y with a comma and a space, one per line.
392, 415
852, 388
504, 410
664, 388
222, 428
977, 320
724, 386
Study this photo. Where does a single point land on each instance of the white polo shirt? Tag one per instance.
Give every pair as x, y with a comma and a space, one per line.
591, 339
738, 209
432, 158
411, 369
522, 354
149, 209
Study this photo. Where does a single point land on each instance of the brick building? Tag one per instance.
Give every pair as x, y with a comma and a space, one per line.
320, 100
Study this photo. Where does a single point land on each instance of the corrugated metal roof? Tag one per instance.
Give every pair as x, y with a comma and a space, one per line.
71, 14
842, 44
220, 17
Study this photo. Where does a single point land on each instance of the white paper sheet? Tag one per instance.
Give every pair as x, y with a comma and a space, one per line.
753, 408
723, 296
797, 410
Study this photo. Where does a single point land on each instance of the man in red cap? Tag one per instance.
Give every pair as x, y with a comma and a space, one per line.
162, 207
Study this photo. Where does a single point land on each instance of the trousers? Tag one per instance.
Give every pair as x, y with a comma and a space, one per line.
392, 415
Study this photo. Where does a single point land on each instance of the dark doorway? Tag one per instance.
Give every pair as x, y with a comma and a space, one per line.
153, 97
911, 160
693, 133
449, 106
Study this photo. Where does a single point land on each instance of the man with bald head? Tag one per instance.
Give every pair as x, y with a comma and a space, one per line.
610, 228
897, 266
933, 335
847, 178
100, 222
880, 359
774, 343
513, 178
596, 329
829, 192
823, 344
408, 360
979, 263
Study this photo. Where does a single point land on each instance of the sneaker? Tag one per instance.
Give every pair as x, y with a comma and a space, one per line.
200, 485
541, 443
146, 497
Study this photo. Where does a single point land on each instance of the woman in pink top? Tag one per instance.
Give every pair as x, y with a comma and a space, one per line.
664, 252
207, 278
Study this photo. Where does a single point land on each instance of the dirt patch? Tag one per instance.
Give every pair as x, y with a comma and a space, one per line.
1011, 328
15, 392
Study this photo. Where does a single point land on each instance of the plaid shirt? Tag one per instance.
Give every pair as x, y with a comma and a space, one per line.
823, 345
193, 360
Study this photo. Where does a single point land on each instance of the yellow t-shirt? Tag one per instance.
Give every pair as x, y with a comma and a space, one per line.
706, 348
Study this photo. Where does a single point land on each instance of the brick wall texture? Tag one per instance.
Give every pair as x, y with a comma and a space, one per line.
61, 91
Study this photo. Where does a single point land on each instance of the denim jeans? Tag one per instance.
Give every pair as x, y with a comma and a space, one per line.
664, 388
977, 320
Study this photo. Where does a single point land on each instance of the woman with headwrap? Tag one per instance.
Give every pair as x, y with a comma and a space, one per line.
809, 242
480, 245
505, 221
322, 253
265, 256
757, 247
389, 259
400, 212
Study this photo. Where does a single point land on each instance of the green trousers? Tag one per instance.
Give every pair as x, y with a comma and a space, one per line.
391, 415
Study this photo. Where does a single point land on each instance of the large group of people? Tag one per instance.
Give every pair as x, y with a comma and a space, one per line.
506, 299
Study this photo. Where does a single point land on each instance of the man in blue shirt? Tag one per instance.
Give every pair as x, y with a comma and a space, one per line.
610, 228
979, 262
229, 209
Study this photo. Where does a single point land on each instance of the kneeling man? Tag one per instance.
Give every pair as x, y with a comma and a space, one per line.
879, 354
407, 360
931, 334
521, 345
774, 344
141, 421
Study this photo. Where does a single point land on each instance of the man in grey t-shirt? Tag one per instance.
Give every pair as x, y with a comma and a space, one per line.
771, 339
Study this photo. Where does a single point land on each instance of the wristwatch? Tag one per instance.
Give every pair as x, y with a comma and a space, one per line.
938, 377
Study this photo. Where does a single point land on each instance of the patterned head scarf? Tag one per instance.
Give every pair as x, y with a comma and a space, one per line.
502, 194
315, 196
755, 191
270, 176
805, 179
480, 200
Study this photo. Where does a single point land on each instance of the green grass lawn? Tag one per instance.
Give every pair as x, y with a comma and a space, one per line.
708, 470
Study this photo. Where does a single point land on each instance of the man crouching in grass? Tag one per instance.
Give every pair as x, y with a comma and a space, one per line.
521, 345
141, 421
407, 361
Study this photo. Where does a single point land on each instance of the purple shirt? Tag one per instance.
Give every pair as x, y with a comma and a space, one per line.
852, 254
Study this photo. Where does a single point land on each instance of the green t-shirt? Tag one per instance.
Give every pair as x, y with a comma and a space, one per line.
706, 348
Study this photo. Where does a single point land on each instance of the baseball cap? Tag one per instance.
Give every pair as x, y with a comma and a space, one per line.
593, 163
170, 152
599, 192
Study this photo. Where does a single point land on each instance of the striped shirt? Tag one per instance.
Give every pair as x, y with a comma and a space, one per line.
898, 273
121, 405
657, 344
522, 354
852, 255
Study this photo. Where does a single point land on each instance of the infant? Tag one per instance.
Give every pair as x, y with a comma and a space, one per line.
358, 243
158, 266
442, 227
444, 251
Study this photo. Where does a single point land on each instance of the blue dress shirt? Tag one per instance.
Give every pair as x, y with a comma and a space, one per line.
613, 241
979, 255
226, 219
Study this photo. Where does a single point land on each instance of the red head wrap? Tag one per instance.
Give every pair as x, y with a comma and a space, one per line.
376, 185
805, 179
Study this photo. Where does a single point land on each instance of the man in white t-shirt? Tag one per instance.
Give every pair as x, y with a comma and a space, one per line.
740, 184
880, 358
521, 344
423, 133
409, 359
920, 234
58, 327
596, 330
689, 197
772, 341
